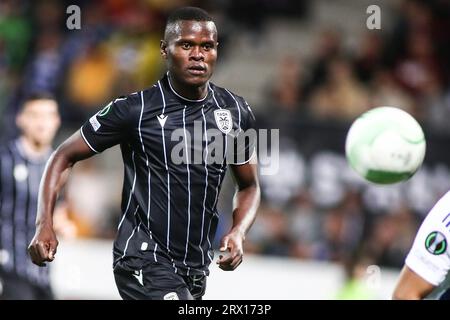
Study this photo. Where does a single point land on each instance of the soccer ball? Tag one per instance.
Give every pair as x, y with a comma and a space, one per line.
385, 145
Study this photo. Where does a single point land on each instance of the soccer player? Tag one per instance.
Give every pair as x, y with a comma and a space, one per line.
22, 163
163, 245
426, 271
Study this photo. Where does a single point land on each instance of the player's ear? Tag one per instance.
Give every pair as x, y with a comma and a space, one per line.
58, 121
163, 49
19, 120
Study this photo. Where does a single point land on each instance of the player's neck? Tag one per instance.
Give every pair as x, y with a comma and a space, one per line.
33, 149
188, 92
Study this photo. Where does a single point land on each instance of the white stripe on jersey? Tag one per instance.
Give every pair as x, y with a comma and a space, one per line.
207, 238
223, 163
217, 187
189, 185
154, 252
174, 267
7, 167
180, 96
167, 168
206, 186
214, 97
162, 96
176, 270
239, 109
131, 192
132, 233
20, 209
87, 142
146, 163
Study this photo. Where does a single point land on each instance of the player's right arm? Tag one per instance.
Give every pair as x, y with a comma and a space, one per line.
411, 286
428, 262
108, 127
44, 243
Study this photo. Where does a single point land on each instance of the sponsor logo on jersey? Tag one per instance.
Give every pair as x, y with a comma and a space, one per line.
138, 275
162, 119
436, 243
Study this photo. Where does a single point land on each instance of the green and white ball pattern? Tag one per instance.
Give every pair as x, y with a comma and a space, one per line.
385, 145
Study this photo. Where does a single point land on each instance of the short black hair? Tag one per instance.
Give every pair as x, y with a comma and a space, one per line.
33, 96
188, 13
185, 14
41, 95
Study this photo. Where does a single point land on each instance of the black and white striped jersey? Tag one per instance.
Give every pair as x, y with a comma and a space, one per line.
19, 186
175, 153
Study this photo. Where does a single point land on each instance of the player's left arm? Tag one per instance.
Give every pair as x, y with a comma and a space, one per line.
411, 286
245, 204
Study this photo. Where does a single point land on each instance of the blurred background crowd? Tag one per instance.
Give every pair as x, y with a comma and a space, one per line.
308, 68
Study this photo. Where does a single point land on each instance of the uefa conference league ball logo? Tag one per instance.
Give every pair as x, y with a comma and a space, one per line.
436, 243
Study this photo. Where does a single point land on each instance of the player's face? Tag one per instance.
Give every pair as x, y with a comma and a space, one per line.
191, 52
39, 121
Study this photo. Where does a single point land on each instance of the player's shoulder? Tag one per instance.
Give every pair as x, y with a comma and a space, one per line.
3, 149
130, 104
229, 99
442, 206
137, 96
130, 100
439, 216
7, 147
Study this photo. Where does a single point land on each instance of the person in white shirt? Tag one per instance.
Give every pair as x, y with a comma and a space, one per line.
426, 272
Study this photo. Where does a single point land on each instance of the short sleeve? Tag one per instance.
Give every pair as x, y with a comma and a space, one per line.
429, 256
246, 139
107, 127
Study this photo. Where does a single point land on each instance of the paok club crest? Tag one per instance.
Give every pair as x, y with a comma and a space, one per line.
223, 120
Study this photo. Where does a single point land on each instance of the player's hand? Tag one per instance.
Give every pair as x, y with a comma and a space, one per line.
43, 246
233, 243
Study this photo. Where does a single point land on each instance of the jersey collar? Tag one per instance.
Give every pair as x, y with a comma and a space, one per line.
17, 143
186, 99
